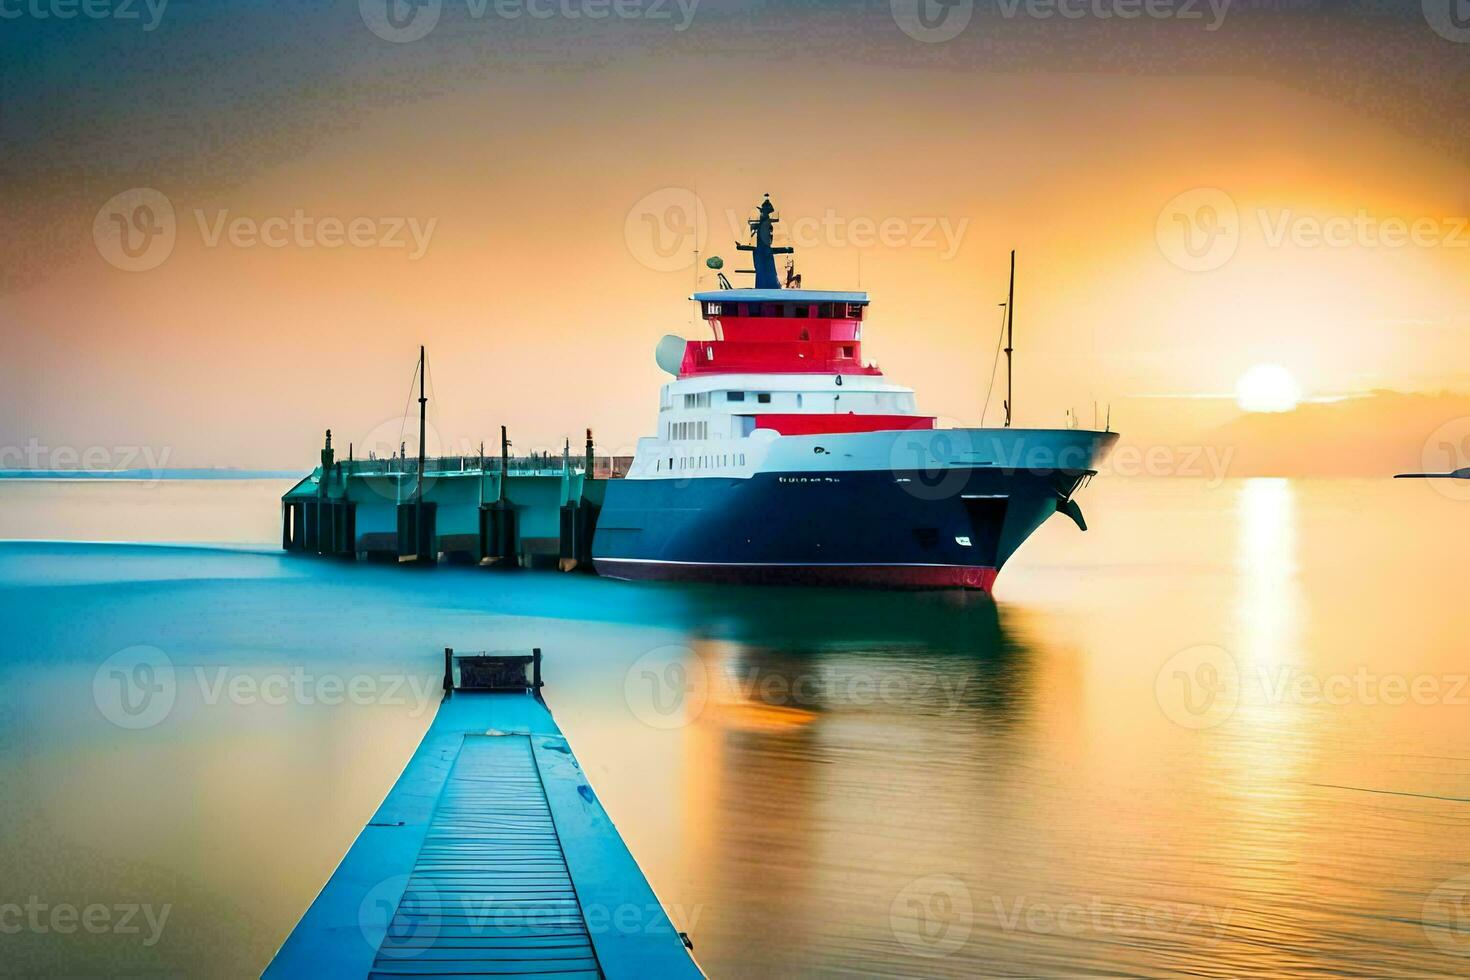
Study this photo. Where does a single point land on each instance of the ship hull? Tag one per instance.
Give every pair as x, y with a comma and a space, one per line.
894, 576
907, 529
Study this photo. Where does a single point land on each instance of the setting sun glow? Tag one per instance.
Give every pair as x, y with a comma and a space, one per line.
1267, 388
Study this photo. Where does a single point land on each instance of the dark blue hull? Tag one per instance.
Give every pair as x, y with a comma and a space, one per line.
953, 528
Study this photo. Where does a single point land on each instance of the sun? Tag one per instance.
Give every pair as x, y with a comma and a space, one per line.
1267, 388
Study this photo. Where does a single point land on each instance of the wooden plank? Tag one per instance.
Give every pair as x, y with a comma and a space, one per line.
480, 862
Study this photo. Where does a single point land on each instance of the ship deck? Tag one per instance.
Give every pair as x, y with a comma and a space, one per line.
490, 856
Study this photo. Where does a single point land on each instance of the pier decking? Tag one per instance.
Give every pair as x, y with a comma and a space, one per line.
491, 856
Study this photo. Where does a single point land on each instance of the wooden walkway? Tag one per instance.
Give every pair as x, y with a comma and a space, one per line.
491, 856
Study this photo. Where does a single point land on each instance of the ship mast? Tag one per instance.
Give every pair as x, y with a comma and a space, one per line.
763, 253
1010, 326
418, 492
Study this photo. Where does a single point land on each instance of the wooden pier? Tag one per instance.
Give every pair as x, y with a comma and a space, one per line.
491, 856
536, 511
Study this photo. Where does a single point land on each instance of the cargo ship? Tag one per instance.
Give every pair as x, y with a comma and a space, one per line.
782, 457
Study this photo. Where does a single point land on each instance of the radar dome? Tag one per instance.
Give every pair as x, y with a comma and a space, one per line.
670, 353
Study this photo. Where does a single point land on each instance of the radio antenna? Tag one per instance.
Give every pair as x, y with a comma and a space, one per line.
1010, 334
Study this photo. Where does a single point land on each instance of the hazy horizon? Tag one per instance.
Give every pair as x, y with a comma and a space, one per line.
1287, 187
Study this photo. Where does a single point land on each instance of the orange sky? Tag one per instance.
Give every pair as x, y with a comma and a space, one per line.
538, 313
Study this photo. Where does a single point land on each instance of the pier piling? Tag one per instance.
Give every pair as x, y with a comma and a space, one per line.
504, 512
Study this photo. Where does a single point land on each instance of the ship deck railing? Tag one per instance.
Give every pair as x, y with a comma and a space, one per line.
603, 466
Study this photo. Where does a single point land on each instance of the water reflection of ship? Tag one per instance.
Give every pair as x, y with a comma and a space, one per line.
833, 718
823, 650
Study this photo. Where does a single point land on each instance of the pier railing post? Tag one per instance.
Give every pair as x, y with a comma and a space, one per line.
448, 671
536, 671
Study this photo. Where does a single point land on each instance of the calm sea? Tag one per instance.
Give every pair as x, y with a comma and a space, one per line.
1224, 732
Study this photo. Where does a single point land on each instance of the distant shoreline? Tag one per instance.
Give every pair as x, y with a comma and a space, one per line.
151, 475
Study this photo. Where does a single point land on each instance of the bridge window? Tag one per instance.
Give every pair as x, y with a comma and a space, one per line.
824, 311
846, 350
764, 397
801, 310
734, 396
